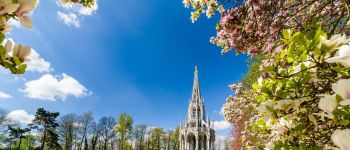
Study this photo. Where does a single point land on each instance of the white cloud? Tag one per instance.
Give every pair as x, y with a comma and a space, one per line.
15, 23
79, 9
88, 11
20, 116
69, 19
76, 12
51, 88
4, 95
38, 64
221, 125
222, 111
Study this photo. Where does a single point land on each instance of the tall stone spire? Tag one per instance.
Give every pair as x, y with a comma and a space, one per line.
196, 133
196, 95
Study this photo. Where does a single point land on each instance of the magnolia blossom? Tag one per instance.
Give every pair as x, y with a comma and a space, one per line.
335, 41
288, 104
21, 51
342, 56
328, 103
269, 146
8, 46
341, 138
263, 109
281, 126
342, 88
260, 81
22, 12
7, 6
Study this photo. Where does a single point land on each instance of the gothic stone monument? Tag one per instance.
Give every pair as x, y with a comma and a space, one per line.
196, 132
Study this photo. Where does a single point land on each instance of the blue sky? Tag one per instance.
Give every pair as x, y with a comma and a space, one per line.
134, 56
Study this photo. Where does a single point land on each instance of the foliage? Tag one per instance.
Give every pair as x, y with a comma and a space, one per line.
45, 122
253, 26
18, 134
67, 133
299, 86
124, 129
13, 56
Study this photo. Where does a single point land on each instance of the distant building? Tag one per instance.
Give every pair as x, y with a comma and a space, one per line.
196, 132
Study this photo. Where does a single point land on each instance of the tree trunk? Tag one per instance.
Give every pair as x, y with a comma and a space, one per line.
94, 142
43, 140
86, 145
20, 142
105, 145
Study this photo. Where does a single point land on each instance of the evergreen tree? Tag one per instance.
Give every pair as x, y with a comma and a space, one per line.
17, 133
45, 122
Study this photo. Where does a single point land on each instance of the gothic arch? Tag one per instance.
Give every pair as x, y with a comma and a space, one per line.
191, 140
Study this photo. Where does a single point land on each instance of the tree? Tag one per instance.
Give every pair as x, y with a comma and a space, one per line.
254, 27
18, 133
45, 122
139, 135
155, 139
299, 98
96, 132
174, 139
124, 129
106, 125
67, 128
85, 123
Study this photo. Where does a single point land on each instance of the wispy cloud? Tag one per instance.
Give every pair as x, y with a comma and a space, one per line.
69, 19
52, 88
4, 95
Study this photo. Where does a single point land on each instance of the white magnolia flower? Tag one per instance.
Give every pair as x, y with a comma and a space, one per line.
298, 68
342, 88
328, 103
263, 109
269, 146
260, 81
7, 6
288, 104
8, 46
335, 41
281, 126
341, 138
22, 12
342, 56
21, 51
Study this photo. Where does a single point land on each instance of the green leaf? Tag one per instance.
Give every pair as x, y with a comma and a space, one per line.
21, 69
340, 70
286, 33
16, 60
344, 122
2, 37
2, 51
339, 98
312, 119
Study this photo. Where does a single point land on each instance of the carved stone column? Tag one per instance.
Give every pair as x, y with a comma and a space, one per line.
208, 143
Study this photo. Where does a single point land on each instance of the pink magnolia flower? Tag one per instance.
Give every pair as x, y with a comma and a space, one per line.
342, 88
341, 138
